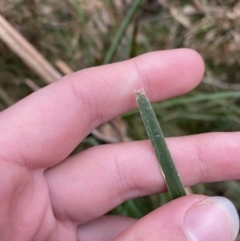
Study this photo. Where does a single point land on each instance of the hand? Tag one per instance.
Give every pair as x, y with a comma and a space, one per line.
47, 196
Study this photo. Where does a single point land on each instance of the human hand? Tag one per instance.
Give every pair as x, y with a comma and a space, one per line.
46, 195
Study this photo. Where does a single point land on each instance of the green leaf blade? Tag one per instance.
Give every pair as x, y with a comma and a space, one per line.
121, 31
155, 134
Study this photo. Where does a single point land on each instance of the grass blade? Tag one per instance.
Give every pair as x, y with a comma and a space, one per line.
155, 134
121, 31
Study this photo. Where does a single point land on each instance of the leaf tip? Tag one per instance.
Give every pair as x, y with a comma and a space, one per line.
140, 92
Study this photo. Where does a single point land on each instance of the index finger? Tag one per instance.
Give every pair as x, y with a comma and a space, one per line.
43, 129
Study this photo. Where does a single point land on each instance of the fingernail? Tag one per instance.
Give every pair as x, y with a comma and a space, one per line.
215, 218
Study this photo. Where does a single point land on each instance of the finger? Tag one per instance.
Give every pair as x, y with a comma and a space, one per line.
97, 180
105, 228
191, 218
45, 127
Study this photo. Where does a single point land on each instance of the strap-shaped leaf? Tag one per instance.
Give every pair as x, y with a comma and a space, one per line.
155, 134
121, 31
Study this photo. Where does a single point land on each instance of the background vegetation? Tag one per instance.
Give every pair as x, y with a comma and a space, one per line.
79, 33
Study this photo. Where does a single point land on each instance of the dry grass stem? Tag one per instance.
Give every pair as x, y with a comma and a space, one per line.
32, 85
63, 67
100, 136
114, 131
221, 84
21, 47
6, 98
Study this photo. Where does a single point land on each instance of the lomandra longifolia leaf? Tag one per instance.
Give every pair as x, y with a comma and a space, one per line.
155, 134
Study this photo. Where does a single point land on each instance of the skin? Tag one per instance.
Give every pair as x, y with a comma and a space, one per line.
46, 195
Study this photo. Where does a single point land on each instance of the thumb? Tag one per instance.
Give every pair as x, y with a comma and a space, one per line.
190, 218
